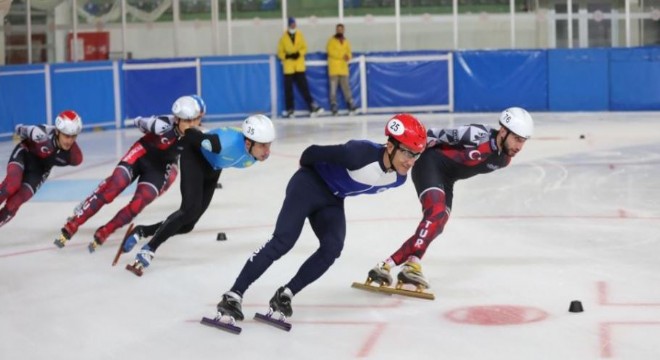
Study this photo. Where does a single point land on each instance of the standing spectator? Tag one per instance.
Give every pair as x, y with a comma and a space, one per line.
291, 50
339, 54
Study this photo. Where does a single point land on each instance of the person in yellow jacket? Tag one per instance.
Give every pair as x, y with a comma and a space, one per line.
291, 50
339, 54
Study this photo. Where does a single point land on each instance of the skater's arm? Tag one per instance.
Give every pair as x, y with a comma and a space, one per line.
347, 155
199, 139
158, 125
36, 133
466, 136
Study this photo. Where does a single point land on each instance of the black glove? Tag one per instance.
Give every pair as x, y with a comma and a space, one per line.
293, 56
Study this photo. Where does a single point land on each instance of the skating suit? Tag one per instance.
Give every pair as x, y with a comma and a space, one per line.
30, 164
202, 160
152, 159
455, 154
328, 175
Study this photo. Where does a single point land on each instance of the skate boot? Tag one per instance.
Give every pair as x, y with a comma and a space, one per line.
352, 110
133, 238
315, 110
100, 236
411, 273
380, 274
333, 109
142, 260
66, 233
289, 114
230, 305
281, 301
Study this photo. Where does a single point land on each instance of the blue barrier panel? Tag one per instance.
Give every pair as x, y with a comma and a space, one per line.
635, 79
495, 80
151, 86
87, 88
22, 96
234, 87
407, 80
578, 80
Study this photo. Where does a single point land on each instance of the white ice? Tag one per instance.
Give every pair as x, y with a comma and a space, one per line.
570, 219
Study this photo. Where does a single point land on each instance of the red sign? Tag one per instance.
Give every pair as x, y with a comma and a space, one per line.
90, 46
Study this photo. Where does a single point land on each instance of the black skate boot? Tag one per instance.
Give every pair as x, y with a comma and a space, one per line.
230, 305
380, 274
281, 302
411, 273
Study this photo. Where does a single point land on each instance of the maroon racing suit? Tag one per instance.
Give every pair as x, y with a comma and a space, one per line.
30, 164
453, 154
152, 159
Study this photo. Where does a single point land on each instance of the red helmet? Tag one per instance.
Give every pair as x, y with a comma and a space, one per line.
68, 122
407, 130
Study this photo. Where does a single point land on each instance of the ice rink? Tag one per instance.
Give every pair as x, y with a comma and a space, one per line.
570, 219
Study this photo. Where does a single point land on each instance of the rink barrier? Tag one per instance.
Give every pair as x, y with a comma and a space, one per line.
108, 94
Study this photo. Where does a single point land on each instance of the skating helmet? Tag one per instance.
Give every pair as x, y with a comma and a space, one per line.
518, 121
259, 128
68, 122
407, 130
188, 107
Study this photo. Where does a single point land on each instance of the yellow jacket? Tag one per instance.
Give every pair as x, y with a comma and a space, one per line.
286, 46
337, 50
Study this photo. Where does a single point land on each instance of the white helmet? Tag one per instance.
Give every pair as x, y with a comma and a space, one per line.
68, 122
518, 121
259, 128
188, 107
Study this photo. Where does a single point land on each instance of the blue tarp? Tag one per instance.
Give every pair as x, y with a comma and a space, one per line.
22, 96
86, 88
234, 87
495, 80
635, 79
578, 80
151, 91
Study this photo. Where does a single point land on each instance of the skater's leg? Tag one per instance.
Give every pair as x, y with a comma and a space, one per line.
435, 216
14, 202
305, 193
12, 182
329, 225
144, 195
105, 193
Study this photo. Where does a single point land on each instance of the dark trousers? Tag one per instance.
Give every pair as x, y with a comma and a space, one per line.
301, 82
307, 197
198, 184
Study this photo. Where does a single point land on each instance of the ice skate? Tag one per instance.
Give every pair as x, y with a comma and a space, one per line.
229, 310
411, 273
120, 251
281, 303
99, 238
352, 110
333, 109
316, 110
380, 275
65, 236
133, 237
289, 114
142, 261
